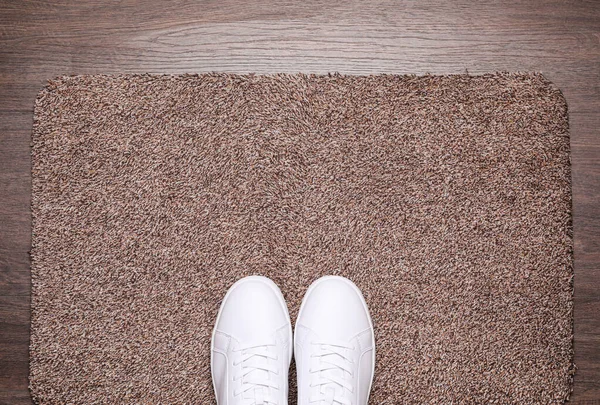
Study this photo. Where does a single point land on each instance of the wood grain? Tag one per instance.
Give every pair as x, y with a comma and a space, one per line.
40, 40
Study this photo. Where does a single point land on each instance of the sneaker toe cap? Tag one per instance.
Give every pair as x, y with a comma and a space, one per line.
335, 309
252, 310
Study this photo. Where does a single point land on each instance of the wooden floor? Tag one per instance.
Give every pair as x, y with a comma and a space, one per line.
41, 40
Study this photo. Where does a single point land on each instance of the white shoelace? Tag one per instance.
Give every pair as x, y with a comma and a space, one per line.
335, 370
255, 382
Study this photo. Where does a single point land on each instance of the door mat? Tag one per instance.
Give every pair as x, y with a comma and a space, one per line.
446, 199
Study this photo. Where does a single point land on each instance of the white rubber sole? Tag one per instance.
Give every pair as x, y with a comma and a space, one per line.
281, 300
364, 303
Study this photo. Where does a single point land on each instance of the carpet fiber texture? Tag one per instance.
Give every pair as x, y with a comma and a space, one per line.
447, 200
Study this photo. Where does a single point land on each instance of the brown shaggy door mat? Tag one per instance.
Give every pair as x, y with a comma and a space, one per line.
446, 199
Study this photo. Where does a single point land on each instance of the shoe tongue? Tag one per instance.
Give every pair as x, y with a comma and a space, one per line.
333, 390
330, 394
259, 393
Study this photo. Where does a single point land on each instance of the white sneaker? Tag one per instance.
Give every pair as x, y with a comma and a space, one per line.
334, 344
251, 346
